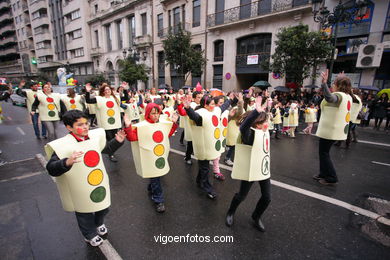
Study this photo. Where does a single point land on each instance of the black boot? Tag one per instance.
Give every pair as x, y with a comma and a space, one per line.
229, 219
230, 214
258, 224
354, 139
277, 134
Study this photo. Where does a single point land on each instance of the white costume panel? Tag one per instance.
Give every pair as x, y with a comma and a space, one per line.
49, 106
108, 113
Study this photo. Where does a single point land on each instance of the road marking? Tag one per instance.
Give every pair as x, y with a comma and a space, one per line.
21, 177
314, 195
368, 142
20, 130
381, 163
18, 161
107, 249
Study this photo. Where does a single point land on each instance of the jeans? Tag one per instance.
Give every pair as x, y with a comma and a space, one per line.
203, 176
189, 151
156, 190
88, 222
35, 121
110, 134
51, 127
327, 170
230, 152
262, 204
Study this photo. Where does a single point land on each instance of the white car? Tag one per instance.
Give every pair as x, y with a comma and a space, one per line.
18, 100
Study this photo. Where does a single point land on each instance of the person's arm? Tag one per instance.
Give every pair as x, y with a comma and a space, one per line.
35, 105
112, 146
329, 97
139, 100
89, 99
194, 116
245, 127
173, 129
56, 167
125, 96
225, 105
63, 108
181, 110
21, 92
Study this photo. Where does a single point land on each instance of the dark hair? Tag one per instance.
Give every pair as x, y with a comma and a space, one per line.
206, 100
195, 94
71, 93
262, 118
217, 98
71, 116
101, 92
343, 84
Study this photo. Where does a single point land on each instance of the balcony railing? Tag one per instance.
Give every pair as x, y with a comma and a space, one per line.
95, 52
252, 10
143, 40
242, 65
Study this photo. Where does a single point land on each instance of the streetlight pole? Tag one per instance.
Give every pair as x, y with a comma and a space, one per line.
340, 14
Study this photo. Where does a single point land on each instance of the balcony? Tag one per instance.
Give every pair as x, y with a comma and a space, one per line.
162, 33
14, 49
96, 52
36, 5
43, 35
47, 51
26, 19
29, 33
25, 7
6, 16
8, 39
4, 4
143, 41
31, 47
255, 10
9, 27
242, 66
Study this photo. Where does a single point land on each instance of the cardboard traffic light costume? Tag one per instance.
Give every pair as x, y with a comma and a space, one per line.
223, 126
252, 162
355, 109
150, 152
73, 103
310, 115
206, 139
108, 113
30, 98
85, 187
335, 117
277, 118
49, 106
132, 111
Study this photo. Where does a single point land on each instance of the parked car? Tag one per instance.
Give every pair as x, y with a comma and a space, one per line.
18, 100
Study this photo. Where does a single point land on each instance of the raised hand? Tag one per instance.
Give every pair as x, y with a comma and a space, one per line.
174, 117
127, 121
258, 101
74, 158
231, 95
240, 97
324, 76
120, 136
88, 87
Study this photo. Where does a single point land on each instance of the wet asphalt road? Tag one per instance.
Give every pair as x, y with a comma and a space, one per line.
34, 226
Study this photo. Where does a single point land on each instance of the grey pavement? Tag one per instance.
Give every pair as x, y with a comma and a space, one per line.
34, 226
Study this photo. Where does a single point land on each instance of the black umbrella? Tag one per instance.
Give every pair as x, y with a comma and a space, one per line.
186, 87
311, 86
282, 89
162, 86
369, 88
261, 84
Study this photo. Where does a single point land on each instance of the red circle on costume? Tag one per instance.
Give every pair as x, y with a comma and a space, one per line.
225, 122
35, 95
133, 107
166, 112
110, 104
72, 101
349, 105
91, 158
266, 144
158, 136
215, 120
49, 99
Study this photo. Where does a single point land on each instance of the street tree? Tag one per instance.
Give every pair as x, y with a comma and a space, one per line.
181, 55
96, 80
298, 51
131, 72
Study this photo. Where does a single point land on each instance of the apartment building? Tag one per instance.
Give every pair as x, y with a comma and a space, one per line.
10, 61
119, 29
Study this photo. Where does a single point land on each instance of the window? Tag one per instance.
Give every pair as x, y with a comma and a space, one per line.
183, 14
119, 28
109, 37
169, 19
196, 13
144, 24
35, 15
218, 50
17, 19
74, 15
40, 45
217, 76
161, 67
18, 4
160, 25
42, 59
77, 52
132, 30
77, 34
20, 18
97, 38
176, 19
17, 32
219, 10
22, 31
14, 7
96, 8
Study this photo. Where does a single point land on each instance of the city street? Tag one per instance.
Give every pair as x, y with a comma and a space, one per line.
300, 223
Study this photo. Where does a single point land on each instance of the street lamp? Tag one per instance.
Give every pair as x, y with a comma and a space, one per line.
341, 14
133, 54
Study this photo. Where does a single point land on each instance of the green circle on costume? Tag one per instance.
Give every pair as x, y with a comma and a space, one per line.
346, 129
98, 194
111, 120
218, 145
52, 113
224, 143
160, 163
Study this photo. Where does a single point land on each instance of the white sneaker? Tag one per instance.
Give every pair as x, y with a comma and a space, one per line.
102, 230
229, 162
95, 241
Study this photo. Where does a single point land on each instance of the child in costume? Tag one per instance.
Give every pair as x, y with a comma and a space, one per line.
252, 162
334, 123
310, 118
81, 178
277, 117
206, 137
293, 116
150, 147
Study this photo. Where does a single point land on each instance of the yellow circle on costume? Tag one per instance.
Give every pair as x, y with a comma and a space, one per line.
224, 133
73, 106
159, 150
95, 177
348, 117
51, 106
217, 133
110, 112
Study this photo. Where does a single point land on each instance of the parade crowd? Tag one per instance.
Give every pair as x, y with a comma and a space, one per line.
235, 125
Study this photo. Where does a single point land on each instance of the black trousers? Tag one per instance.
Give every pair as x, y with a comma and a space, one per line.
262, 204
203, 176
110, 134
327, 170
189, 151
88, 222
